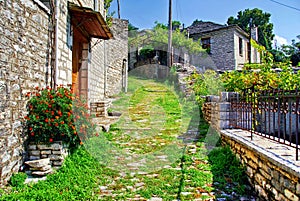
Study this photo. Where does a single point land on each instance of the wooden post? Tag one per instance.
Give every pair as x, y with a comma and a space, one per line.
169, 63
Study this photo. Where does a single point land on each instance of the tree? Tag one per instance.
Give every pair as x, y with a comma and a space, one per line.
196, 21
293, 51
260, 19
175, 25
132, 30
107, 4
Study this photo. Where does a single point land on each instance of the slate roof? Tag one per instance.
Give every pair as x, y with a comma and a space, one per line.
206, 27
201, 27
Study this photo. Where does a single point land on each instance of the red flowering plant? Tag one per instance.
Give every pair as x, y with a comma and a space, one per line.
57, 115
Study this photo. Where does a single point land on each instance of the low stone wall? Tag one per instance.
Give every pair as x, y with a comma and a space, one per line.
271, 167
56, 152
274, 175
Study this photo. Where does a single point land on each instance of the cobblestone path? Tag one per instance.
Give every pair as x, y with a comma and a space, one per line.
146, 127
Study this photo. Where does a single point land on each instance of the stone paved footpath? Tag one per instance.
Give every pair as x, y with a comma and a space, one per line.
189, 177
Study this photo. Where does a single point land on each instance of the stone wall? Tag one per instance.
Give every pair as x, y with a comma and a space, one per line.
117, 56
222, 46
56, 152
224, 54
271, 167
24, 64
26, 43
273, 176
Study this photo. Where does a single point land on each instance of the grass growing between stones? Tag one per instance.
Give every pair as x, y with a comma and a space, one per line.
152, 118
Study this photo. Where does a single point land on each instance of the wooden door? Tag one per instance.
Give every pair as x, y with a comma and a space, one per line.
78, 41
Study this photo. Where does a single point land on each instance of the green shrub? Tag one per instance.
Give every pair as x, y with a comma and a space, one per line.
204, 84
57, 114
18, 179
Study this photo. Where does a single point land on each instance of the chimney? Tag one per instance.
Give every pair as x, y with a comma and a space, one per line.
254, 33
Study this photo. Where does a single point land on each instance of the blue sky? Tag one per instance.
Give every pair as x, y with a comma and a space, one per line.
143, 13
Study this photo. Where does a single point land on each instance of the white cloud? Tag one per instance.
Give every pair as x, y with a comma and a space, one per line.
278, 41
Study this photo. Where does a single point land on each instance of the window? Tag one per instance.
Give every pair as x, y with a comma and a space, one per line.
205, 42
241, 46
69, 32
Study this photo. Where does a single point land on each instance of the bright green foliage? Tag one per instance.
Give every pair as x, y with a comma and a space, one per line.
226, 167
107, 4
293, 51
256, 76
261, 76
259, 19
204, 84
17, 180
179, 40
158, 38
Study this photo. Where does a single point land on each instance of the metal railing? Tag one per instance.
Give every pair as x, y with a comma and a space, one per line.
273, 114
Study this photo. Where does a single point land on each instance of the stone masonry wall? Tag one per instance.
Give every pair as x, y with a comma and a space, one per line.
222, 49
56, 152
97, 71
225, 50
117, 56
270, 179
24, 64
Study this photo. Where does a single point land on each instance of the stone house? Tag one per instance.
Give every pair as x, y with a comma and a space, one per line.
227, 46
52, 42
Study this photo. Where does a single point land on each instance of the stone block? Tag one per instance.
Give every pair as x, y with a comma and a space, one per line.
275, 193
42, 173
250, 172
261, 192
34, 153
57, 152
43, 146
260, 180
38, 163
275, 174
57, 163
252, 164
34, 157
44, 152
265, 174
43, 168
298, 188
290, 195
277, 185
32, 147
56, 146
54, 157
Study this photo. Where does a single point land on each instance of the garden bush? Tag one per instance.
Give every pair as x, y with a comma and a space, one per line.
57, 115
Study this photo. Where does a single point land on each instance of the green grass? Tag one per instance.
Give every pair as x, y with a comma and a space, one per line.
190, 174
